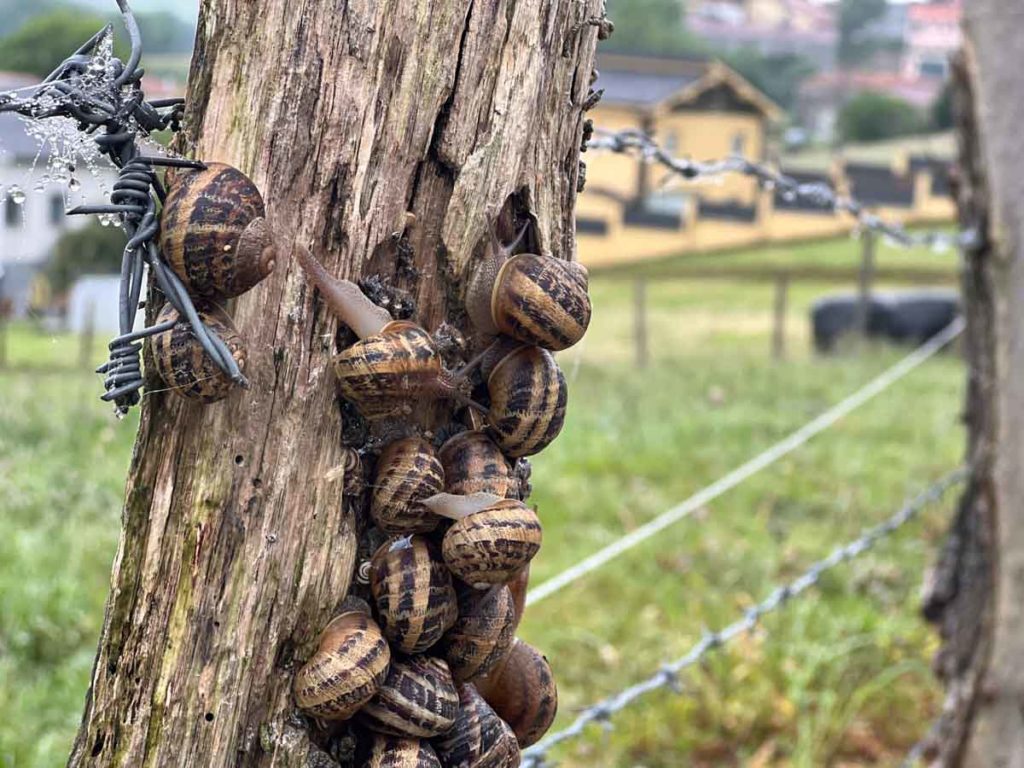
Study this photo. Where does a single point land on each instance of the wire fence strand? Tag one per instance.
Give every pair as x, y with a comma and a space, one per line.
669, 674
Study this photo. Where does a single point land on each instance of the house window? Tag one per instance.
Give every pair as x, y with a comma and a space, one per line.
57, 210
739, 143
13, 213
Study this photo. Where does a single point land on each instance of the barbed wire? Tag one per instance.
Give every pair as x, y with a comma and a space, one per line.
669, 674
818, 194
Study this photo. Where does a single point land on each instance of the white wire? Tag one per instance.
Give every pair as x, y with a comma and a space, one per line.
684, 509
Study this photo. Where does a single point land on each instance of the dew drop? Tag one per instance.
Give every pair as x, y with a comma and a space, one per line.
16, 194
74, 184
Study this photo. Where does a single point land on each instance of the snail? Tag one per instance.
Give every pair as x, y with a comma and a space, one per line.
482, 635
393, 752
522, 692
418, 700
473, 463
540, 300
479, 739
214, 233
416, 601
491, 539
394, 360
348, 668
182, 363
408, 471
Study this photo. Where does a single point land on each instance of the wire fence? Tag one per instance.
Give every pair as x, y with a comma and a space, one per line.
668, 676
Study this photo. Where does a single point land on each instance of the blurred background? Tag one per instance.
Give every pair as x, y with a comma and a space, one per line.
705, 349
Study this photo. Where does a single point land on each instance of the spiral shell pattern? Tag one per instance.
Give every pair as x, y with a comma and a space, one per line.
395, 752
479, 739
522, 692
408, 471
418, 700
490, 546
473, 463
483, 634
528, 401
542, 301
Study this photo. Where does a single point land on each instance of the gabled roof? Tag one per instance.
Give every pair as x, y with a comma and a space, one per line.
655, 85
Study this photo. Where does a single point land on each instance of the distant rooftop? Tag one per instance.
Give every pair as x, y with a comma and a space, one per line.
642, 81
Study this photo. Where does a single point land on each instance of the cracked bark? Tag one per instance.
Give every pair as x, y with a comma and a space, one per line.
237, 545
977, 594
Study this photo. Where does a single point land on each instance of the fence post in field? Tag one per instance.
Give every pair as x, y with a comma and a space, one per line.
388, 136
640, 335
865, 281
87, 338
780, 308
3, 336
976, 594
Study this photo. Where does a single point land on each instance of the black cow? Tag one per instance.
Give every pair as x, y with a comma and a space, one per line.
905, 316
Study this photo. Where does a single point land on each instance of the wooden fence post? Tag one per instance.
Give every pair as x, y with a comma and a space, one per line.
87, 337
779, 322
865, 281
640, 321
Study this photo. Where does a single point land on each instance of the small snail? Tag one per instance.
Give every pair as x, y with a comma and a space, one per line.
393, 752
522, 692
483, 634
182, 363
394, 360
536, 299
473, 463
418, 700
491, 539
479, 739
408, 471
347, 669
416, 602
214, 232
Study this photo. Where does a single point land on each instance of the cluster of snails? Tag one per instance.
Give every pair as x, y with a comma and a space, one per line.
214, 235
429, 666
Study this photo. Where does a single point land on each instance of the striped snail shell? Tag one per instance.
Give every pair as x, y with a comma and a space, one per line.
418, 700
184, 366
528, 400
408, 471
536, 299
347, 669
413, 591
491, 538
483, 633
479, 739
214, 232
522, 692
396, 752
473, 463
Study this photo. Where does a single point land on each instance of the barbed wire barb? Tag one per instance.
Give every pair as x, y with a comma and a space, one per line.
668, 675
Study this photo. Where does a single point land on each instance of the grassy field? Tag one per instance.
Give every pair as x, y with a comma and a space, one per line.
840, 678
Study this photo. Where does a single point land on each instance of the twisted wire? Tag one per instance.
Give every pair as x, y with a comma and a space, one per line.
668, 676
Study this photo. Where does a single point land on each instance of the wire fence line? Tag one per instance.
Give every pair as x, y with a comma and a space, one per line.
668, 676
755, 465
818, 194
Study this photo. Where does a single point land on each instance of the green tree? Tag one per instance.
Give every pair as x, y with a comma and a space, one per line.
872, 116
942, 109
778, 75
93, 250
650, 26
45, 41
854, 17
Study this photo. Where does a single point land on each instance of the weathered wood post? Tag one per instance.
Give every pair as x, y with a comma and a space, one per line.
865, 281
640, 337
779, 309
388, 134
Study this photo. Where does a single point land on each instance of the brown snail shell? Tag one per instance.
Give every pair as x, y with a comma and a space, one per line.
483, 634
396, 752
542, 301
184, 366
490, 545
418, 700
517, 587
473, 463
528, 400
522, 692
479, 739
347, 669
408, 471
214, 232
413, 591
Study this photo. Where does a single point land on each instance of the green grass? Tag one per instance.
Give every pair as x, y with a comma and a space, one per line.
838, 678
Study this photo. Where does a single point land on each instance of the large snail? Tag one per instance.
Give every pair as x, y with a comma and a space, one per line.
417, 700
396, 752
536, 299
416, 601
473, 463
408, 471
491, 538
522, 692
479, 739
214, 233
483, 634
348, 668
182, 363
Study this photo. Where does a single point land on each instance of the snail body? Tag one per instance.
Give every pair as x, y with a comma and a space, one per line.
413, 591
348, 668
417, 700
184, 366
473, 463
479, 738
408, 471
491, 538
482, 635
522, 692
395, 752
528, 401
214, 233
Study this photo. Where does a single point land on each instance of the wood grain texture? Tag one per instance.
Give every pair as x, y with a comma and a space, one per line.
237, 546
